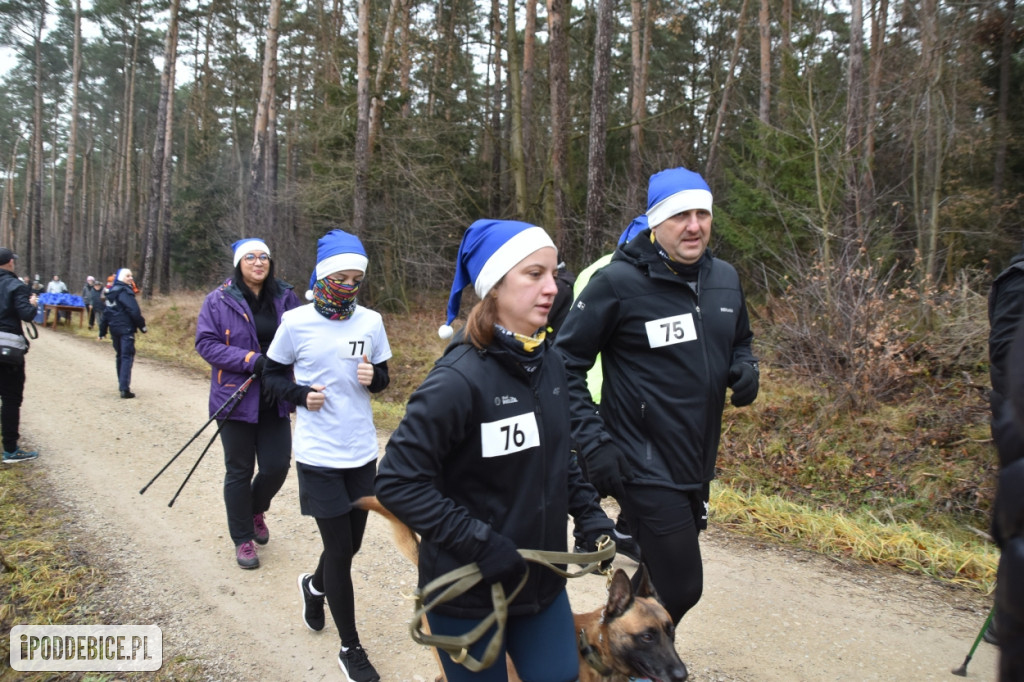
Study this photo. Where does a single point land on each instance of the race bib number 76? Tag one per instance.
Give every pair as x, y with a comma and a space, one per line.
671, 330
509, 435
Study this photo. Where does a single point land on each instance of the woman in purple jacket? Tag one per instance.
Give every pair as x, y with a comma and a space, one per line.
236, 325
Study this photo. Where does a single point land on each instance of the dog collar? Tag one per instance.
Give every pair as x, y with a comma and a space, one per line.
591, 655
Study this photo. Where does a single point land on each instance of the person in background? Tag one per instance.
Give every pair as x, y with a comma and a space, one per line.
37, 285
338, 351
56, 286
1008, 511
1005, 314
121, 315
481, 464
236, 324
92, 294
670, 321
564, 279
625, 542
17, 305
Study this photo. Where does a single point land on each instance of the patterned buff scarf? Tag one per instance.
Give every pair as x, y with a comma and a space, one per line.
333, 300
528, 349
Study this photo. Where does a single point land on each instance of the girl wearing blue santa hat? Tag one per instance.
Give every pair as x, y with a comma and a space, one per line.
235, 327
339, 351
480, 465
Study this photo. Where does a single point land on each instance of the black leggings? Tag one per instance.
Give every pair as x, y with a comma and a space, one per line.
667, 525
342, 536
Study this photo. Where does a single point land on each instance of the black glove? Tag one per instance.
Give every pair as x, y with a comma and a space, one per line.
142, 329
744, 381
501, 562
259, 365
590, 543
607, 469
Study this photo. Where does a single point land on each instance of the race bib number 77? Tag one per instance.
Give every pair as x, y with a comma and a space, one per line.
506, 436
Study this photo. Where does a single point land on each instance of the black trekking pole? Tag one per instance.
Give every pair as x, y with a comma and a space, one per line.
198, 460
962, 670
237, 394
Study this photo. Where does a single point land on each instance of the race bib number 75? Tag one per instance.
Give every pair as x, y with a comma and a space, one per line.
506, 436
671, 330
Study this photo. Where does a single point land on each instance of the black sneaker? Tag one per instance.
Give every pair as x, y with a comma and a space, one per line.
312, 604
127, 394
626, 545
356, 665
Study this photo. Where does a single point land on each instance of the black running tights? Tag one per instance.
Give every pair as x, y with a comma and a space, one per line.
342, 537
670, 548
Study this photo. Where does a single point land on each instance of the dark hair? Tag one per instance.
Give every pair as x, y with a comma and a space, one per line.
481, 320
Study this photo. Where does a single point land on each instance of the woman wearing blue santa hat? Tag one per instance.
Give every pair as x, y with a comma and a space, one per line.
481, 464
235, 327
339, 352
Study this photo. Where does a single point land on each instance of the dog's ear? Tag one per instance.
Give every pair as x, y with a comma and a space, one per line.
620, 595
642, 586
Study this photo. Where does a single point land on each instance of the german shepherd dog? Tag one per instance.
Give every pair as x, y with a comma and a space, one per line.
631, 636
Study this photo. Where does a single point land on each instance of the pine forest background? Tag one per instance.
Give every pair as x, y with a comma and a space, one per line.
865, 158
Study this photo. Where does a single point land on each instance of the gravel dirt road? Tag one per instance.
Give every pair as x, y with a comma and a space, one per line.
767, 613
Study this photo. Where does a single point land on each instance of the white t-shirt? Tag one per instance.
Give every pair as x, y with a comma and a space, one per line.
341, 434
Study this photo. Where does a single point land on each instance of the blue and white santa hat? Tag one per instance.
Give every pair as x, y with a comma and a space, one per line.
635, 227
489, 249
244, 246
673, 191
337, 250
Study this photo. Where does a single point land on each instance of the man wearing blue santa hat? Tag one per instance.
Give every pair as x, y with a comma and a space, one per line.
670, 323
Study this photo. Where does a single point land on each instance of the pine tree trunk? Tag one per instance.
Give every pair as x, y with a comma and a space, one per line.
362, 160
765, 93
259, 194
597, 157
68, 222
517, 161
156, 169
558, 56
723, 106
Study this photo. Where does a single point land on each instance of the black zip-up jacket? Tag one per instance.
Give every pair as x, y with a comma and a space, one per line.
121, 314
1005, 312
665, 353
15, 307
485, 445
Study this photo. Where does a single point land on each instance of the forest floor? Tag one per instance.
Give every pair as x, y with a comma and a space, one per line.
768, 613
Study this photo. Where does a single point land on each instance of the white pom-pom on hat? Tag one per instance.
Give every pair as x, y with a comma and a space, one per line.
445, 331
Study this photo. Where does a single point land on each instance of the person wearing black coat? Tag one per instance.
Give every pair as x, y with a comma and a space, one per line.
670, 323
122, 317
481, 464
17, 305
1008, 513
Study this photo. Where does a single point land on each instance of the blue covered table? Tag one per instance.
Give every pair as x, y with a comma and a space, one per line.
62, 303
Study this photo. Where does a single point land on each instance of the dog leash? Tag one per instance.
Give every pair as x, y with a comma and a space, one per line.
456, 582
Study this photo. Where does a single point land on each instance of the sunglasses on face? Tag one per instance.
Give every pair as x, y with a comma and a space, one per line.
252, 258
